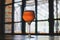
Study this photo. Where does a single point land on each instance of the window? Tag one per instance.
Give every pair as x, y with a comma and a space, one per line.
57, 16
13, 15
8, 17
42, 14
17, 16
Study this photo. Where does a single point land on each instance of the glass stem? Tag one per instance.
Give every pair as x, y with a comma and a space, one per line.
29, 31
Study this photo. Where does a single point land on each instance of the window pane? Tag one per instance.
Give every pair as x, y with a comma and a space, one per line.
55, 9
8, 1
57, 15
30, 5
57, 26
17, 27
43, 27
59, 9
8, 13
32, 27
17, 16
8, 28
17, 12
43, 11
17, 0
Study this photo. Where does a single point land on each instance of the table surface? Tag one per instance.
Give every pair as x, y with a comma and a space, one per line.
33, 37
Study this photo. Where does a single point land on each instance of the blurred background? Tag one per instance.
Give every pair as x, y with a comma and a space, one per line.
42, 16
47, 13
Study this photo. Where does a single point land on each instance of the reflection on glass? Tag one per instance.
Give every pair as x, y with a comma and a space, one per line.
17, 27
38, 37
8, 28
19, 37
43, 27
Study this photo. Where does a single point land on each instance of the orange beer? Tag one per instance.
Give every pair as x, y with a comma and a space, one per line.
28, 16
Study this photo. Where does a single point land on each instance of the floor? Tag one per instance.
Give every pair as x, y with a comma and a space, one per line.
33, 37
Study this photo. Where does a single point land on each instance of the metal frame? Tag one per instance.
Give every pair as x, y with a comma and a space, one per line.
51, 17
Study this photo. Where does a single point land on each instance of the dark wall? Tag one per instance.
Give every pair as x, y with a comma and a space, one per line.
2, 13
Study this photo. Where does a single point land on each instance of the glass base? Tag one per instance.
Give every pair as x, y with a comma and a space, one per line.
29, 36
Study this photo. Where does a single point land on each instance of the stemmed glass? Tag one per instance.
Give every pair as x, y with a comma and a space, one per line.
28, 17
